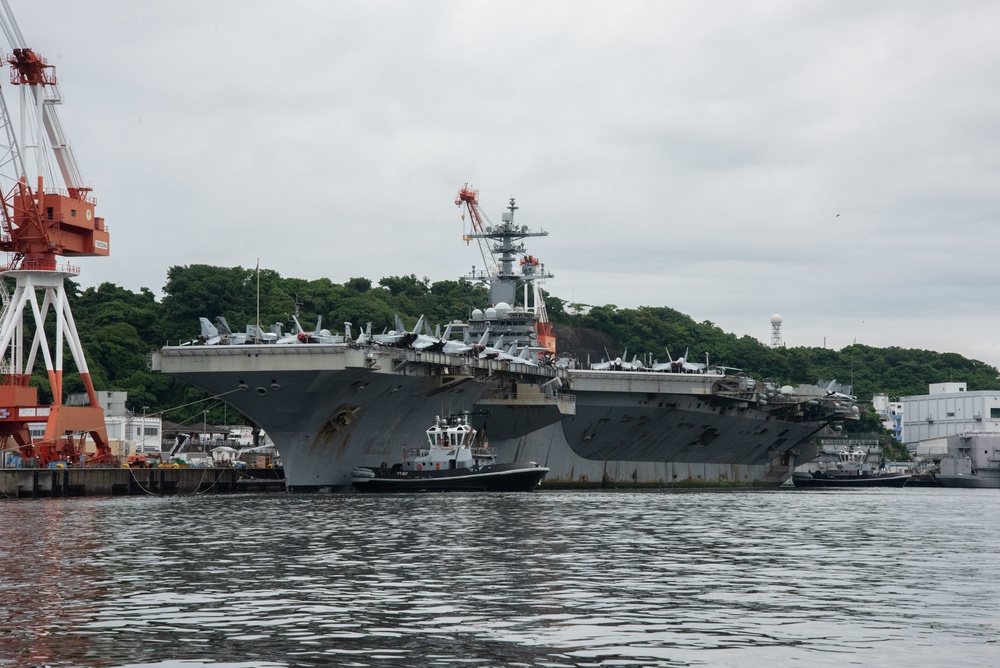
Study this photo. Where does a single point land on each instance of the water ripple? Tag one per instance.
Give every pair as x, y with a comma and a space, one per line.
881, 577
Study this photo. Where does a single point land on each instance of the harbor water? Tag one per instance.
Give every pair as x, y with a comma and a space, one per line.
681, 578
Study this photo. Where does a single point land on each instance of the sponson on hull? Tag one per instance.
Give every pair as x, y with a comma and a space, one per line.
450, 461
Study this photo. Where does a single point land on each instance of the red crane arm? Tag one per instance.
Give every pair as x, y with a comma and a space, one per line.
470, 198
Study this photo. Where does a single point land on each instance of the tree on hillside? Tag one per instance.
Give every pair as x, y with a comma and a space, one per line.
200, 290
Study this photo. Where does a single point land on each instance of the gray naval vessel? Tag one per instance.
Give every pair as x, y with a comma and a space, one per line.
332, 404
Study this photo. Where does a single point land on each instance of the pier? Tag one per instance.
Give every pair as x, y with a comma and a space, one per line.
69, 482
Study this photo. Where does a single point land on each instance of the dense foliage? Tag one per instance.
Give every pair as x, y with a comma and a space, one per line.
894, 371
119, 328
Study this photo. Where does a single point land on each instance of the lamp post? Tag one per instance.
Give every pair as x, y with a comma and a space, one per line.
142, 446
204, 447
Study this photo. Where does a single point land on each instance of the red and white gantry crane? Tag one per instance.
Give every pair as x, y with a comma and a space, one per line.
39, 224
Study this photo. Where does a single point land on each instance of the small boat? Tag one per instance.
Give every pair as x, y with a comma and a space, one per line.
450, 461
956, 469
847, 467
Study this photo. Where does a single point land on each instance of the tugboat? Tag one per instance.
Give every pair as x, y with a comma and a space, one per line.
451, 461
847, 467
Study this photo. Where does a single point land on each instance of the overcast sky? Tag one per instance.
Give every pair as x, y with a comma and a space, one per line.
834, 162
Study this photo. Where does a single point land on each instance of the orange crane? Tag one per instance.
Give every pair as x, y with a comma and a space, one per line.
37, 227
469, 198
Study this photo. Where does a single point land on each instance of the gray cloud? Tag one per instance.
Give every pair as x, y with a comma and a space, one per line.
680, 154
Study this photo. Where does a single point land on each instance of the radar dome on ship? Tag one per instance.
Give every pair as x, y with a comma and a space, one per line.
477, 314
491, 313
502, 309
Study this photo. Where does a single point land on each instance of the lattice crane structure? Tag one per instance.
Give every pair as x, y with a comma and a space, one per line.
40, 224
500, 246
469, 198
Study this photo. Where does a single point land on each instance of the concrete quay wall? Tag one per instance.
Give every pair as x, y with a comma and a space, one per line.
35, 483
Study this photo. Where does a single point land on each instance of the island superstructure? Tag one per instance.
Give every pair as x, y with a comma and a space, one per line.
332, 407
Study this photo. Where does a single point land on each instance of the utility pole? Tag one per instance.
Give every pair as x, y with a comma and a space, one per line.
142, 447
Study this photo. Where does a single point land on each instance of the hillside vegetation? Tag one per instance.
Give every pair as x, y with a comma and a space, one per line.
119, 328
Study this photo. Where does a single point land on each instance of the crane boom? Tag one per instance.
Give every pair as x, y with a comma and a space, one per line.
40, 225
469, 198
63, 152
29, 68
10, 28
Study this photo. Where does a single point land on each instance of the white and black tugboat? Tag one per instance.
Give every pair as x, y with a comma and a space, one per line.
450, 461
849, 466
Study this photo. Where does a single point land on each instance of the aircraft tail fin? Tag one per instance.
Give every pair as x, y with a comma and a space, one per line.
208, 330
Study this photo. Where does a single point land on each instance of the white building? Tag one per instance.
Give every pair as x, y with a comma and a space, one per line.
948, 410
128, 432
891, 413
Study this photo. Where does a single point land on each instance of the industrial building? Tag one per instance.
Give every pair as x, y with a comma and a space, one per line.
957, 428
948, 409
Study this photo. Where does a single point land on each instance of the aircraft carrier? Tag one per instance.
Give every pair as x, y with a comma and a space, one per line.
331, 404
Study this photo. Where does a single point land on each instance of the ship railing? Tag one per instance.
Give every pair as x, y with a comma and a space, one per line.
465, 362
524, 395
861, 440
